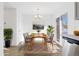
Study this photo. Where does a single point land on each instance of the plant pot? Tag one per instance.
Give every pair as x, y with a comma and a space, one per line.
7, 43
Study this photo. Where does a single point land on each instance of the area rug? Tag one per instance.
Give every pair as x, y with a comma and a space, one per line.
38, 50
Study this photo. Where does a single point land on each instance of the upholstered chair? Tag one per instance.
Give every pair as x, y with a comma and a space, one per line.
28, 41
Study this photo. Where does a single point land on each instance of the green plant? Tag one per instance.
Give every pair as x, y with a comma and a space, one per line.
8, 32
50, 29
33, 33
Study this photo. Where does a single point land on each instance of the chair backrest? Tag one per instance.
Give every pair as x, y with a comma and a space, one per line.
25, 35
51, 37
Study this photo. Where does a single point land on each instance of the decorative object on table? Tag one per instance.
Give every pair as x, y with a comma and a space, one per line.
32, 34
76, 32
8, 34
50, 30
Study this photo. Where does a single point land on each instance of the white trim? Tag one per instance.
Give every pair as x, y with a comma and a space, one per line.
58, 43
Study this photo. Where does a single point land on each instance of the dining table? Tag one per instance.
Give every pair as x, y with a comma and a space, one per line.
42, 37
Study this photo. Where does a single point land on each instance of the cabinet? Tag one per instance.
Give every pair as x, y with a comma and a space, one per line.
77, 10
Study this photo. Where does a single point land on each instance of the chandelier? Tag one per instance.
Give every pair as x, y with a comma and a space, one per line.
38, 16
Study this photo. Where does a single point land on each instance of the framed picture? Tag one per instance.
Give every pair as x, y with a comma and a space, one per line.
38, 27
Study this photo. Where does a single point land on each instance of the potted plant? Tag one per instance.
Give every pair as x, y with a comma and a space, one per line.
50, 30
8, 33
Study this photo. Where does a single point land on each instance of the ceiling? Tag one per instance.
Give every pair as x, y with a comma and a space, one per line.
31, 7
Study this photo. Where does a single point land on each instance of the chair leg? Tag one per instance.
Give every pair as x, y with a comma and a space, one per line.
52, 44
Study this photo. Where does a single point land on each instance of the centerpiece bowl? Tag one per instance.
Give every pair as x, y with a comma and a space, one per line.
76, 32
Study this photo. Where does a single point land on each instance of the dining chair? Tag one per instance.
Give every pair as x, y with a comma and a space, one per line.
20, 46
50, 39
28, 41
26, 37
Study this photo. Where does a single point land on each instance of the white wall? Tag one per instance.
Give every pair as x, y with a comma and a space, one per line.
27, 23
10, 22
19, 21
1, 29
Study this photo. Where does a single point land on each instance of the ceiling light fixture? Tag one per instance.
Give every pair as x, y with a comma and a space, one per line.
38, 16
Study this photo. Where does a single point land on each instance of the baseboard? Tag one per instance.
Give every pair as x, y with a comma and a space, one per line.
14, 45
58, 43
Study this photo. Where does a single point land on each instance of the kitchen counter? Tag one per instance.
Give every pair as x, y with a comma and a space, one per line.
71, 38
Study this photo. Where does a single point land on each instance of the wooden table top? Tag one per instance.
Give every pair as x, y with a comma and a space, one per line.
39, 36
